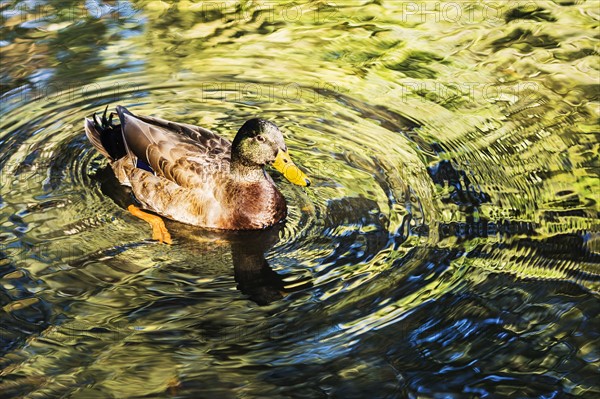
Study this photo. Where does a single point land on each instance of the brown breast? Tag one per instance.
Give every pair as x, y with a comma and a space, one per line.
254, 206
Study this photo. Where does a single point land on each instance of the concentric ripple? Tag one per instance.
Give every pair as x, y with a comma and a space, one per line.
448, 245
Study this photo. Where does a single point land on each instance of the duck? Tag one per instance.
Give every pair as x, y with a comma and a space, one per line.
189, 174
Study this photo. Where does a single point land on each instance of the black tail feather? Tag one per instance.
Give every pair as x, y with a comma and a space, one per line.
110, 135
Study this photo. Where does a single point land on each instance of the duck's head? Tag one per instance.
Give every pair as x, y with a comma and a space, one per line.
259, 143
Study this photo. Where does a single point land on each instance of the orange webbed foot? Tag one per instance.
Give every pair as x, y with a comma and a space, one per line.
159, 230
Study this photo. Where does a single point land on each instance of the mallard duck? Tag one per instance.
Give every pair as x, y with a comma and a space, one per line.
192, 175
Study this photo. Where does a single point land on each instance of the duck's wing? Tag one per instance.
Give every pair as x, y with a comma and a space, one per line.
188, 155
202, 136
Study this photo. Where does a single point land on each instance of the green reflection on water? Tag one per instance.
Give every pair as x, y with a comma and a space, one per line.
369, 95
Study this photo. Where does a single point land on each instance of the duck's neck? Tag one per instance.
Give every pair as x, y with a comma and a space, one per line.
246, 173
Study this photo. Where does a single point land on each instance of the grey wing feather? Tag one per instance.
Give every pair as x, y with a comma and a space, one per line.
196, 133
187, 155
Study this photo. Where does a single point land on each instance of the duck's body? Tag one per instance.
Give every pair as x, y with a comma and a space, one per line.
192, 175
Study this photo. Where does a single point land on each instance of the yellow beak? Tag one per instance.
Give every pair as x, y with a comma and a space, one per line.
283, 163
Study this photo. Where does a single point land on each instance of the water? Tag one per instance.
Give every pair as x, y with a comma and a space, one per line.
448, 247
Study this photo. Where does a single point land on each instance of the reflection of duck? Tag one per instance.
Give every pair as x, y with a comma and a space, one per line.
252, 272
191, 175
254, 276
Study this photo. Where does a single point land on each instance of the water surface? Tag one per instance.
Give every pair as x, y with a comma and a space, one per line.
448, 247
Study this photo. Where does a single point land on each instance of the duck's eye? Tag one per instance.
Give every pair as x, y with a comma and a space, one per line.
260, 138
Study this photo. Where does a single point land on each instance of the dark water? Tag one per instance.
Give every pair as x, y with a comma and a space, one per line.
448, 247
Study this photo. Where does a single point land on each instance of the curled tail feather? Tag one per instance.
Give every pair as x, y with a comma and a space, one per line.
106, 137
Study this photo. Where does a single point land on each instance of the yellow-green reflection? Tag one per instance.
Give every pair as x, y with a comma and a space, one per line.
451, 222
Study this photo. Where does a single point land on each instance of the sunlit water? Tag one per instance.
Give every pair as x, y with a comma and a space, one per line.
448, 247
